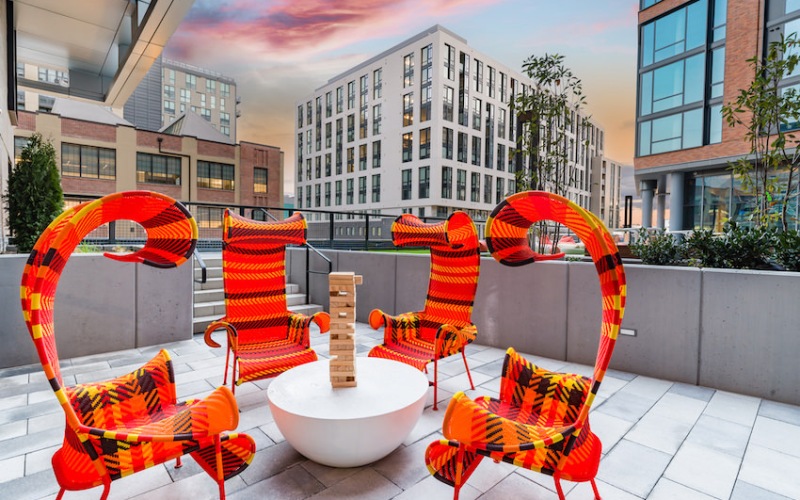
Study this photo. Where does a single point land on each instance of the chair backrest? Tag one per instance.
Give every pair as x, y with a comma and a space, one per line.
171, 239
254, 273
455, 267
506, 237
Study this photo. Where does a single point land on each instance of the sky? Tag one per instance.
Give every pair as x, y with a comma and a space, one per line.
279, 51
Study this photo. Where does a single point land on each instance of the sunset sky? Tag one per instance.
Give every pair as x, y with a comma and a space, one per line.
279, 51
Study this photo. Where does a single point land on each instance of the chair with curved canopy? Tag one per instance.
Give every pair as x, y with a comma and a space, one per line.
444, 327
266, 339
125, 425
541, 419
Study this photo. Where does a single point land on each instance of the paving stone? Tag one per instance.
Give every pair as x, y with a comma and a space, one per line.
780, 411
609, 429
270, 462
771, 470
776, 435
703, 469
461, 382
328, 476
647, 388
494, 368
670, 490
513, 484
31, 442
721, 435
28, 411
366, 484
13, 429
746, 491
39, 460
199, 486
583, 491
733, 407
272, 431
34, 486
611, 385
430, 487
405, 466
659, 432
626, 406
12, 468
692, 391
487, 355
633, 467
428, 428
488, 474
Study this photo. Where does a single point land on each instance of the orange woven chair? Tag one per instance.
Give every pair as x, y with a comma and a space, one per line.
541, 421
266, 339
133, 422
444, 327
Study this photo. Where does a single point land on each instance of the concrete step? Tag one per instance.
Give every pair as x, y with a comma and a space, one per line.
203, 296
212, 307
211, 272
201, 322
216, 284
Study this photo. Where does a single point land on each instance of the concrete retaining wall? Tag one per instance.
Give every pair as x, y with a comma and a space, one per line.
101, 306
732, 330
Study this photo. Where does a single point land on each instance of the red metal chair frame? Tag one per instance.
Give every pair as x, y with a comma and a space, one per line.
444, 327
541, 419
265, 338
133, 422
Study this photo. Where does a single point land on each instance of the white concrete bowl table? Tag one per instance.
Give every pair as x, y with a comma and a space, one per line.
348, 426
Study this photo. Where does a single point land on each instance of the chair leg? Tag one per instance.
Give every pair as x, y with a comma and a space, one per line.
469, 375
436, 388
233, 374
106, 488
227, 360
60, 494
596, 493
178, 463
558, 488
220, 473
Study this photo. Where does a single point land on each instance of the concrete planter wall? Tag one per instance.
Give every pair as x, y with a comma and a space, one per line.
101, 305
732, 330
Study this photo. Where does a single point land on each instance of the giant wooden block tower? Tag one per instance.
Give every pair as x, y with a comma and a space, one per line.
342, 288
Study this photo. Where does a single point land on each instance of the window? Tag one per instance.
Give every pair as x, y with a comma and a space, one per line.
487, 188
463, 138
408, 146
351, 128
376, 154
351, 94
224, 89
300, 117
501, 157
476, 113
408, 70
328, 104
501, 123
717, 72
317, 167
405, 188
425, 103
327, 194
191, 81
362, 157
447, 103
211, 175
19, 145
447, 182
672, 132
447, 143
449, 62
377, 83
463, 90
362, 125
362, 189
169, 107
491, 81
328, 134
364, 86
674, 34
376, 119
376, 188
338, 198
339, 99
213, 102
673, 85
503, 87
317, 195
206, 114
349, 191
308, 196
169, 91
327, 165
186, 96
478, 76
158, 169
498, 195
408, 109
260, 176
424, 182
424, 143
46, 103
211, 86
88, 162
476, 151
461, 184
475, 191
351, 162
211, 217
170, 76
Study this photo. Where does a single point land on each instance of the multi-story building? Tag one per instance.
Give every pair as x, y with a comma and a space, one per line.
100, 153
693, 59
425, 128
172, 88
605, 198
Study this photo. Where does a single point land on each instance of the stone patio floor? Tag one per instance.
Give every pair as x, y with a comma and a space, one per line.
661, 440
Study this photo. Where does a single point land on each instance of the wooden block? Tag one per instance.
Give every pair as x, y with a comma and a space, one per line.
358, 279
342, 344
343, 325
342, 357
342, 335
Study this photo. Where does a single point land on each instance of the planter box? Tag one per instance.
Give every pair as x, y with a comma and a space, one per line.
728, 329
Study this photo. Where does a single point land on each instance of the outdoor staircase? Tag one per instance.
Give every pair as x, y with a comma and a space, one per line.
209, 297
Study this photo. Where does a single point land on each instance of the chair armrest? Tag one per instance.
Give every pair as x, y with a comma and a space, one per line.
401, 327
451, 339
205, 418
323, 321
233, 335
507, 436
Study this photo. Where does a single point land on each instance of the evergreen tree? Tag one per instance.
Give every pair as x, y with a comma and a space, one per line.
34, 196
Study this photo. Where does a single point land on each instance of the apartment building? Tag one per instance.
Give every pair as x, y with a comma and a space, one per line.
605, 187
692, 60
425, 128
100, 153
173, 88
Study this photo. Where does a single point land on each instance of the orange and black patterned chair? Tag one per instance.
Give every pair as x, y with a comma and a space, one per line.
541, 419
266, 339
444, 327
125, 425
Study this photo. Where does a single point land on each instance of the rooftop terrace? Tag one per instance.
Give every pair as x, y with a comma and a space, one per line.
661, 440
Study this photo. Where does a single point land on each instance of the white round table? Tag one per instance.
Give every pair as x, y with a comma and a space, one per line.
348, 426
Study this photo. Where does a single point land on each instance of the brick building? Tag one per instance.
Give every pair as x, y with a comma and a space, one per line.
692, 60
100, 153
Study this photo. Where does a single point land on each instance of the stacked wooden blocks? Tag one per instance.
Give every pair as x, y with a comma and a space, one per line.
342, 288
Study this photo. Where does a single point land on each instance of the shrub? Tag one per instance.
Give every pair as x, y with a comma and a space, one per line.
34, 196
658, 248
787, 250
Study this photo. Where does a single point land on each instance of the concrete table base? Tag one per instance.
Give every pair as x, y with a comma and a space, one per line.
348, 426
